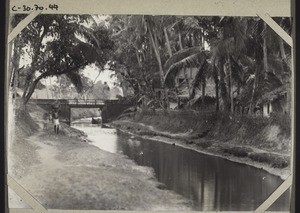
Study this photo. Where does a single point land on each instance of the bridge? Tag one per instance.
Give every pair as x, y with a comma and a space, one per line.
110, 108
88, 103
78, 103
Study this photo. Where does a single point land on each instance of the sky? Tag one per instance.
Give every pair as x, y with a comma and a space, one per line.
105, 76
90, 71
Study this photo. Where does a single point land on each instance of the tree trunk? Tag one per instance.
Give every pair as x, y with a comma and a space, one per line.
34, 67
282, 51
216, 79
32, 86
253, 92
168, 42
157, 55
28, 82
193, 38
124, 89
14, 66
223, 86
153, 39
202, 39
217, 90
186, 78
180, 41
176, 93
59, 77
138, 58
203, 84
230, 85
265, 53
51, 89
284, 63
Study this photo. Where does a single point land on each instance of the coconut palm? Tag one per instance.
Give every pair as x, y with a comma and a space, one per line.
186, 58
196, 31
270, 70
133, 61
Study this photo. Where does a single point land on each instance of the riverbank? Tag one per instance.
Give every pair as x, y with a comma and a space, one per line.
66, 172
259, 144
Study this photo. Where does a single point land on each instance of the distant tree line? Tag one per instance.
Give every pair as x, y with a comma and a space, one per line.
243, 56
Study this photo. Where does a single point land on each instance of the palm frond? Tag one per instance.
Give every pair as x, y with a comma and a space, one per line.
137, 22
76, 80
200, 77
194, 60
269, 96
181, 55
191, 25
89, 36
223, 47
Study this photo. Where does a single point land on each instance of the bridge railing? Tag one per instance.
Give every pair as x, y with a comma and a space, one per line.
74, 101
85, 102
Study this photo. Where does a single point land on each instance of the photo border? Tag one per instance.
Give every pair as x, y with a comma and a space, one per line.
265, 9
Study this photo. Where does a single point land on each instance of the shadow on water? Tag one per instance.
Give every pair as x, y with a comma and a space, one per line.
212, 183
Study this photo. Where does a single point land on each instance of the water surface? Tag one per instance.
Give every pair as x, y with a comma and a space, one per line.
211, 183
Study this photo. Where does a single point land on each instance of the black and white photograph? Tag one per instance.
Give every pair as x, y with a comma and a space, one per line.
144, 112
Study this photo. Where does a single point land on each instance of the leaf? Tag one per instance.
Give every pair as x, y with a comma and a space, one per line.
75, 78
194, 60
181, 55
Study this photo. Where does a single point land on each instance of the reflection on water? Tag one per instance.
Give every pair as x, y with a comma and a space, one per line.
107, 140
212, 183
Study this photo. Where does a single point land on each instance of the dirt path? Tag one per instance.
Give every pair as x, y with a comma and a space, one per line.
72, 174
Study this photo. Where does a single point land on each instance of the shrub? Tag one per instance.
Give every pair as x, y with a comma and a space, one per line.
24, 121
283, 121
204, 144
274, 160
237, 151
189, 142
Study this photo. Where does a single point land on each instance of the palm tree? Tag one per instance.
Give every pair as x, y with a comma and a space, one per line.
183, 59
147, 25
226, 51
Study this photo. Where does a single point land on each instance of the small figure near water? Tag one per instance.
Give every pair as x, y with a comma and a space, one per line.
55, 121
55, 116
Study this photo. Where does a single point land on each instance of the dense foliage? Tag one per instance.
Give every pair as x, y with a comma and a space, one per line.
56, 45
244, 57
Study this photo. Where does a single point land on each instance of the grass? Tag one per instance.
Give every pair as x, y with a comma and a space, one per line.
237, 151
24, 121
204, 144
173, 121
209, 130
242, 129
283, 121
274, 160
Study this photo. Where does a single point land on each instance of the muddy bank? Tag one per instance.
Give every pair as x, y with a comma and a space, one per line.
272, 162
66, 172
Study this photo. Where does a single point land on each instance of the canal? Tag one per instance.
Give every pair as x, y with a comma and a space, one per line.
211, 183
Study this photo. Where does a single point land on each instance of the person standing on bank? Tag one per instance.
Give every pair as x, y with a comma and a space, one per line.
55, 121
55, 117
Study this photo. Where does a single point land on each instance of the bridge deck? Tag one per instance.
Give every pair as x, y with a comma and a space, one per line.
88, 103
73, 102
